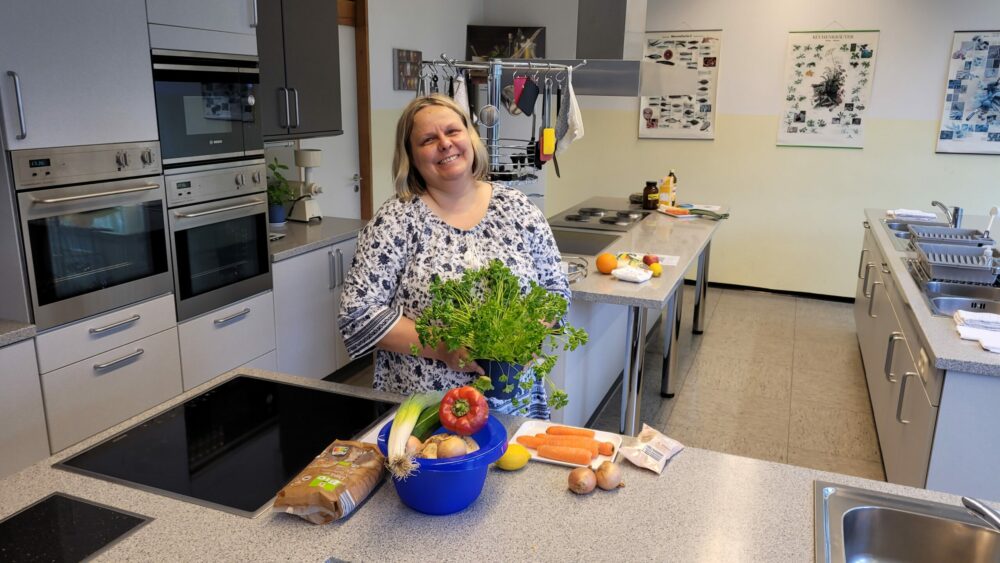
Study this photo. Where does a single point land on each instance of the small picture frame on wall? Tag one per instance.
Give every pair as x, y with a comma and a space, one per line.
406, 69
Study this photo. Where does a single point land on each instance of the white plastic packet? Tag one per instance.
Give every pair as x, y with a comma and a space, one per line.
632, 274
651, 449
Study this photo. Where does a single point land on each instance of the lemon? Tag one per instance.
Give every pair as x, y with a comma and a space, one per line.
514, 458
656, 269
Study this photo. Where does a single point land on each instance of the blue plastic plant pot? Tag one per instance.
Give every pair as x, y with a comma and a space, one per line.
276, 214
446, 486
495, 370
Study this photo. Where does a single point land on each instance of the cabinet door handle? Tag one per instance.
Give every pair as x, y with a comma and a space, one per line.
232, 317
864, 285
64, 199
113, 326
890, 351
871, 302
113, 363
861, 263
253, 13
865, 223
295, 94
333, 271
902, 392
340, 268
288, 119
20, 105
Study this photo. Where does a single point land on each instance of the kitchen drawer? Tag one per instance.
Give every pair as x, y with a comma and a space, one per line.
83, 399
89, 337
23, 439
267, 362
226, 338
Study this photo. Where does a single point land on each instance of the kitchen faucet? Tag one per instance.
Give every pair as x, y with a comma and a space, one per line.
988, 515
954, 215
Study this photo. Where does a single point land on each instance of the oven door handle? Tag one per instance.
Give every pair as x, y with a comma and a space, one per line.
214, 211
197, 68
145, 188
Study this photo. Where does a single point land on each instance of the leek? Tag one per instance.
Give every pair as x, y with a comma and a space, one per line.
401, 465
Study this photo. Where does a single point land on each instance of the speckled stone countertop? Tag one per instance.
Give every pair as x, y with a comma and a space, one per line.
706, 506
304, 237
12, 332
948, 350
655, 234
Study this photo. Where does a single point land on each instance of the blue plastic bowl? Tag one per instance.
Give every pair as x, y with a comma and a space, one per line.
444, 486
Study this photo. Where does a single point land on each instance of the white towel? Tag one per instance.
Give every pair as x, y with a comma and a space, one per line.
910, 214
462, 94
988, 339
985, 321
569, 122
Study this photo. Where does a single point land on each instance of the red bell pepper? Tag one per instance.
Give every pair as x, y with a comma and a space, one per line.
463, 410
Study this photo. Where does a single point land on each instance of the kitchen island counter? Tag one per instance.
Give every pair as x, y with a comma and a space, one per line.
301, 238
706, 506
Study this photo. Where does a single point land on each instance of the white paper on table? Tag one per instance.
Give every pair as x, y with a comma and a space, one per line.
706, 207
669, 260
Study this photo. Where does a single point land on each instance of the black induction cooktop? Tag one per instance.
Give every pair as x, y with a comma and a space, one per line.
234, 446
61, 527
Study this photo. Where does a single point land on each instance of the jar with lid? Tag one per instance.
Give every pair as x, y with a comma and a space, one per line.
650, 196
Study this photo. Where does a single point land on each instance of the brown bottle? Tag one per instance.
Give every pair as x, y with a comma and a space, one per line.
650, 196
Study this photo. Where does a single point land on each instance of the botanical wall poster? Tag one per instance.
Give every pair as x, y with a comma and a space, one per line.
970, 122
407, 69
828, 84
679, 79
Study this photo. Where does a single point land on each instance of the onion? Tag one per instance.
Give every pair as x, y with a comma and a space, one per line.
452, 447
413, 445
609, 476
582, 480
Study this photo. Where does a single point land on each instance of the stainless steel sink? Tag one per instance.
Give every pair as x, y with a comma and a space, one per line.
946, 297
946, 305
855, 525
900, 225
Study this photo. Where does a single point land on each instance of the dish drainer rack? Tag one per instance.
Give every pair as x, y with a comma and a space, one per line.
958, 263
950, 235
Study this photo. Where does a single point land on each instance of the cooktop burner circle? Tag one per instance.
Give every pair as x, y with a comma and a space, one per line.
595, 211
629, 214
578, 218
616, 221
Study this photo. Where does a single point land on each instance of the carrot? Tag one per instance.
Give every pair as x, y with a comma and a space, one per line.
605, 448
529, 441
578, 456
588, 444
569, 431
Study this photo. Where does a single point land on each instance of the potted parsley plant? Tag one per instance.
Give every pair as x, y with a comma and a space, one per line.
279, 192
503, 328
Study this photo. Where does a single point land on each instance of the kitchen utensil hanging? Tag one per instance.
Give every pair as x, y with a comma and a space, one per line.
548, 134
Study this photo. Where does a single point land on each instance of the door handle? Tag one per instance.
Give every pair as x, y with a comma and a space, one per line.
214, 211
890, 351
295, 93
145, 188
253, 13
333, 271
20, 105
113, 363
861, 263
864, 285
871, 302
865, 223
113, 326
233, 317
902, 392
288, 118
340, 268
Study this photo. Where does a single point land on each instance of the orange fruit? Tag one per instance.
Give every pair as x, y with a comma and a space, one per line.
606, 262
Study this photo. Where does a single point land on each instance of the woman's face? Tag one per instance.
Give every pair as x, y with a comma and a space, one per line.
440, 146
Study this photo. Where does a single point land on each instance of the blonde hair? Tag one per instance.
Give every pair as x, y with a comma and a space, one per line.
406, 179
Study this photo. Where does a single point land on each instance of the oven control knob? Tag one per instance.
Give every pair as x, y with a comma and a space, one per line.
256, 177
121, 159
147, 157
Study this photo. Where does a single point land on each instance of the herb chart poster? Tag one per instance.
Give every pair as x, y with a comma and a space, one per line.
679, 79
828, 84
970, 122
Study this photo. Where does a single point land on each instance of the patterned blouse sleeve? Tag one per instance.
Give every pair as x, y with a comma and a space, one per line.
367, 311
544, 251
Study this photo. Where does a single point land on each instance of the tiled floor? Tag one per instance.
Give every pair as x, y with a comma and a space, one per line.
773, 377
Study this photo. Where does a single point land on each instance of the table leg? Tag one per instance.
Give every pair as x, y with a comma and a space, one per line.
670, 325
701, 291
635, 352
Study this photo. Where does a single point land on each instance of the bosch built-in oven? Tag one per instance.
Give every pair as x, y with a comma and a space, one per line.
93, 226
206, 107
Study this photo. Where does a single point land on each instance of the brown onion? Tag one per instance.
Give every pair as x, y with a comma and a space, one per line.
582, 480
413, 445
609, 476
452, 447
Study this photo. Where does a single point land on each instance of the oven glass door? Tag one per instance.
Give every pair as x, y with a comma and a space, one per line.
221, 253
206, 113
93, 248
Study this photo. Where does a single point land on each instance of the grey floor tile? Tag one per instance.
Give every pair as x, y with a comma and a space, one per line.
756, 375
834, 431
826, 462
737, 444
817, 313
840, 390
729, 414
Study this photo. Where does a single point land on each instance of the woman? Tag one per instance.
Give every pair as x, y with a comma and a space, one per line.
444, 219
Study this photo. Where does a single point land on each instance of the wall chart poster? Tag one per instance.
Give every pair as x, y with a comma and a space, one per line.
970, 122
828, 84
679, 79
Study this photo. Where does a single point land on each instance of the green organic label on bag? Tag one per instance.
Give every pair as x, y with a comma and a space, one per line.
328, 484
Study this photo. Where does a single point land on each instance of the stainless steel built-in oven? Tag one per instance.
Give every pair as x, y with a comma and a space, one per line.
93, 225
218, 230
206, 107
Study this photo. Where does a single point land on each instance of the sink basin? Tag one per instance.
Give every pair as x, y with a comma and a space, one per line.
946, 305
854, 525
946, 298
899, 225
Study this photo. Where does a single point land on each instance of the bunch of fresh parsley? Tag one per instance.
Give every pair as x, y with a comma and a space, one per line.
486, 312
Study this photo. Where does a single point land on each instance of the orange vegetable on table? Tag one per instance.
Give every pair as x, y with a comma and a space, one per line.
568, 454
573, 441
569, 431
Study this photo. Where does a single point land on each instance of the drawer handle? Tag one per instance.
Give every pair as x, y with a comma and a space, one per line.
233, 317
890, 352
861, 264
864, 285
902, 391
113, 363
113, 326
871, 302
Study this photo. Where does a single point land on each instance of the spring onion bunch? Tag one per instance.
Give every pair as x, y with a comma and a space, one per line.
399, 463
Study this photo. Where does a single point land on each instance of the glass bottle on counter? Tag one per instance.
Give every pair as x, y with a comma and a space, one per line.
650, 196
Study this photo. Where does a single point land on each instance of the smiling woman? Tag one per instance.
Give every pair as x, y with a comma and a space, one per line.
443, 220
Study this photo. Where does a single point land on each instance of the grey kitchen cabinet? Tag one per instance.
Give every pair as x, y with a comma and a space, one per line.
23, 438
217, 26
307, 292
299, 49
75, 73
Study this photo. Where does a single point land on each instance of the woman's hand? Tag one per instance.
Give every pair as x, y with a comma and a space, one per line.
458, 360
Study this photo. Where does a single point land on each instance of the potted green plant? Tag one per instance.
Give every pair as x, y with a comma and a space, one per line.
502, 328
279, 192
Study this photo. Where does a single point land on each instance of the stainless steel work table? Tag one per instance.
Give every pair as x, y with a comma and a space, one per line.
688, 239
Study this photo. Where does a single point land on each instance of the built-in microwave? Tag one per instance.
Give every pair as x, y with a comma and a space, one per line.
206, 107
